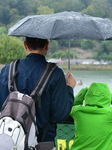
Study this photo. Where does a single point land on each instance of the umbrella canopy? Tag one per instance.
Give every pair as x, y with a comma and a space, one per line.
63, 25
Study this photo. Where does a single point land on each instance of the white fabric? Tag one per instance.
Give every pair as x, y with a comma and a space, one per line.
14, 131
32, 140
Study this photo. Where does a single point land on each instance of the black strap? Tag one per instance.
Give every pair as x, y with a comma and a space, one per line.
38, 90
45, 130
11, 76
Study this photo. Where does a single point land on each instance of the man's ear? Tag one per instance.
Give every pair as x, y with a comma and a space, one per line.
47, 45
25, 46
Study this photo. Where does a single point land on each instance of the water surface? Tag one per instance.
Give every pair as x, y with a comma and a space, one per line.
89, 76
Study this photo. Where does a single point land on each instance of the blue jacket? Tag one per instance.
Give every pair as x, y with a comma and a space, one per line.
57, 98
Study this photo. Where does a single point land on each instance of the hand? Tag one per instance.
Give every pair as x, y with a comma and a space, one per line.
70, 80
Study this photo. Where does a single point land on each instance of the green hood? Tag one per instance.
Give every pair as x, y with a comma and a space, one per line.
99, 95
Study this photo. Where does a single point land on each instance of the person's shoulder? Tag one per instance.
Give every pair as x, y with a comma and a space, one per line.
5, 69
58, 71
57, 76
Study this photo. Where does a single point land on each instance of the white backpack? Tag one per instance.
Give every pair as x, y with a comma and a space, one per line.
18, 130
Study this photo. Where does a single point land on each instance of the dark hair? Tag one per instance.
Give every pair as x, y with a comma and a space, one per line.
35, 43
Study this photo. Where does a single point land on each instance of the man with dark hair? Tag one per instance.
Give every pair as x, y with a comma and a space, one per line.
34, 43
57, 98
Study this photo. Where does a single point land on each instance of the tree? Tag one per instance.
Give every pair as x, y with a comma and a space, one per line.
42, 10
106, 47
57, 6
87, 44
63, 54
53, 47
86, 2
4, 15
91, 10
76, 5
104, 8
3, 30
14, 15
104, 50
98, 8
11, 48
12, 3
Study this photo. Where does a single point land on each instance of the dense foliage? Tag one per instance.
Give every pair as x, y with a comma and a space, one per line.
13, 10
11, 48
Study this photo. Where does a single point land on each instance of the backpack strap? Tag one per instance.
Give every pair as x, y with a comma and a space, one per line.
11, 76
38, 90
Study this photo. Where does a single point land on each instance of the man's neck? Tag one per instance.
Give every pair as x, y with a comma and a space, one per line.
36, 52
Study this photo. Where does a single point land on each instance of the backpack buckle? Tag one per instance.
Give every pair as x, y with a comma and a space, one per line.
37, 98
11, 88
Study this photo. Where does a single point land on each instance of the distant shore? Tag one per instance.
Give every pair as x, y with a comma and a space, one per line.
80, 67
86, 67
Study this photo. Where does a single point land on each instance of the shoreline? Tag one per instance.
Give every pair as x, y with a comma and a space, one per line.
80, 67
86, 67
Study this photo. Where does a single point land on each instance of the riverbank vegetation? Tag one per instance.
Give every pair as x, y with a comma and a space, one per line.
86, 67
80, 67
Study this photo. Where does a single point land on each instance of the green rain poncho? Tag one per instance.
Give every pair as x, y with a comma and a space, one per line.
93, 119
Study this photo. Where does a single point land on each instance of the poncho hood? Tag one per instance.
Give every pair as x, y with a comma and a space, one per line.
99, 95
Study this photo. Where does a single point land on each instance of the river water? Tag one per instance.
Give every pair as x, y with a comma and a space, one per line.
89, 76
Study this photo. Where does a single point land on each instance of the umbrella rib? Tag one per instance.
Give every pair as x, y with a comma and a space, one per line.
54, 27
98, 30
17, 26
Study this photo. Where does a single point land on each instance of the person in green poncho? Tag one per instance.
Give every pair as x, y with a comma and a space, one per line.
92, 114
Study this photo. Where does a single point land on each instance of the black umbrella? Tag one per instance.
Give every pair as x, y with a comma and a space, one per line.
63, 25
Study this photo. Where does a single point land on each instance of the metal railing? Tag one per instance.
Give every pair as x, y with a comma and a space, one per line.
65, 135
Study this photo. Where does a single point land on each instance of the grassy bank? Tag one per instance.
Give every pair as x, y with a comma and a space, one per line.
86, 67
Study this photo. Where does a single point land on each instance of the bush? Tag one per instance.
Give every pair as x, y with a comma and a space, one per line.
11, 48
